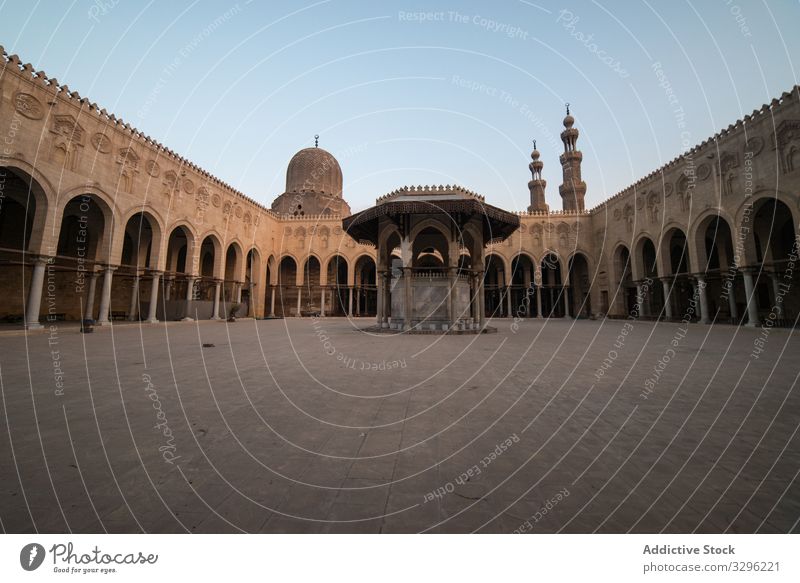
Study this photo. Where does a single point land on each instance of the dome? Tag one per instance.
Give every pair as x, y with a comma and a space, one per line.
569, 121
314, 170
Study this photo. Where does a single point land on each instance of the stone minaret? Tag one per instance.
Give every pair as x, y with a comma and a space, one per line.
537, 185
573, 189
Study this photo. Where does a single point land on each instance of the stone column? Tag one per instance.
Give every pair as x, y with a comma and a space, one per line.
526, 279
732, 300
217, 291
639, 300
322, 303
408, 308
299, 296
105, 296
749, 292
379, 283
152, 313
565, 293
133, 311
272, 303
509, 307
89, 309
667, 299
451, 288
539, 302
168, 283
776, 293
35, 295
481, 300
189, 297
350, 301
705, 317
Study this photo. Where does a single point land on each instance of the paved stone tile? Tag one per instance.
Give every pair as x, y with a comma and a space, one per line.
267, 431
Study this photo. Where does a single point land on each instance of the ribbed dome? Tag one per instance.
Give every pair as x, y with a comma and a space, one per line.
314, 170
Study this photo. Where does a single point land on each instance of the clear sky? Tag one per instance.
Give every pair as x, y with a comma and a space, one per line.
418, 92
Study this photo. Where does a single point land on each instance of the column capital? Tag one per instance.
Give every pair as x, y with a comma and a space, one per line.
42, 259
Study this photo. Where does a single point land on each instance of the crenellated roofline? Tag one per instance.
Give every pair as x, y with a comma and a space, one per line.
767, 109
62, 91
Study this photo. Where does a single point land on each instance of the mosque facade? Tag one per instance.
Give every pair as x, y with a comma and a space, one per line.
100, 221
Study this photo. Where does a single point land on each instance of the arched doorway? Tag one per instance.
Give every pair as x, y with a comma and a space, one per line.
579, 285
553, 292
366, 290
523, 292
625, 293
287, 287
339, 301
494, 286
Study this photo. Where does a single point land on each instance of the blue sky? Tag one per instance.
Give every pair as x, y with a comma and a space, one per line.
416, 92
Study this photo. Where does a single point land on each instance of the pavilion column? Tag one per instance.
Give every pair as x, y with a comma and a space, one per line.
379, 283
776, 294
217, 291
322, 303
639, 299
299, 296
667, 299
168, 283
152, 313
482, 299
105, 296
350, 301
705, 317
272, 302
749, 292
133, 311
35, 295
89, 309
408, 309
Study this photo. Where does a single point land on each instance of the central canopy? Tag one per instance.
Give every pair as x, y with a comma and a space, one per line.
457, 202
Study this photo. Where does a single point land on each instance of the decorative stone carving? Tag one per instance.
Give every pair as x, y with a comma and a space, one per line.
668, 190
703, 171
787, 138
216, 200
628, 214
238, 211
129, 167
28, 106
617, 214
172, 185
653, 207
67, 141
753, 146
188, 186
101, 143
152, 168
684, 188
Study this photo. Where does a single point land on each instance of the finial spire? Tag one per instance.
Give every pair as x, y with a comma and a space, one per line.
534, 144
567, 108
316, 140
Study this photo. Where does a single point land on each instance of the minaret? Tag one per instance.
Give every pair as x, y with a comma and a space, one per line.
537, 185
573, 189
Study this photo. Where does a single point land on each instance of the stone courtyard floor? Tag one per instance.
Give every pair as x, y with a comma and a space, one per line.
304, 425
